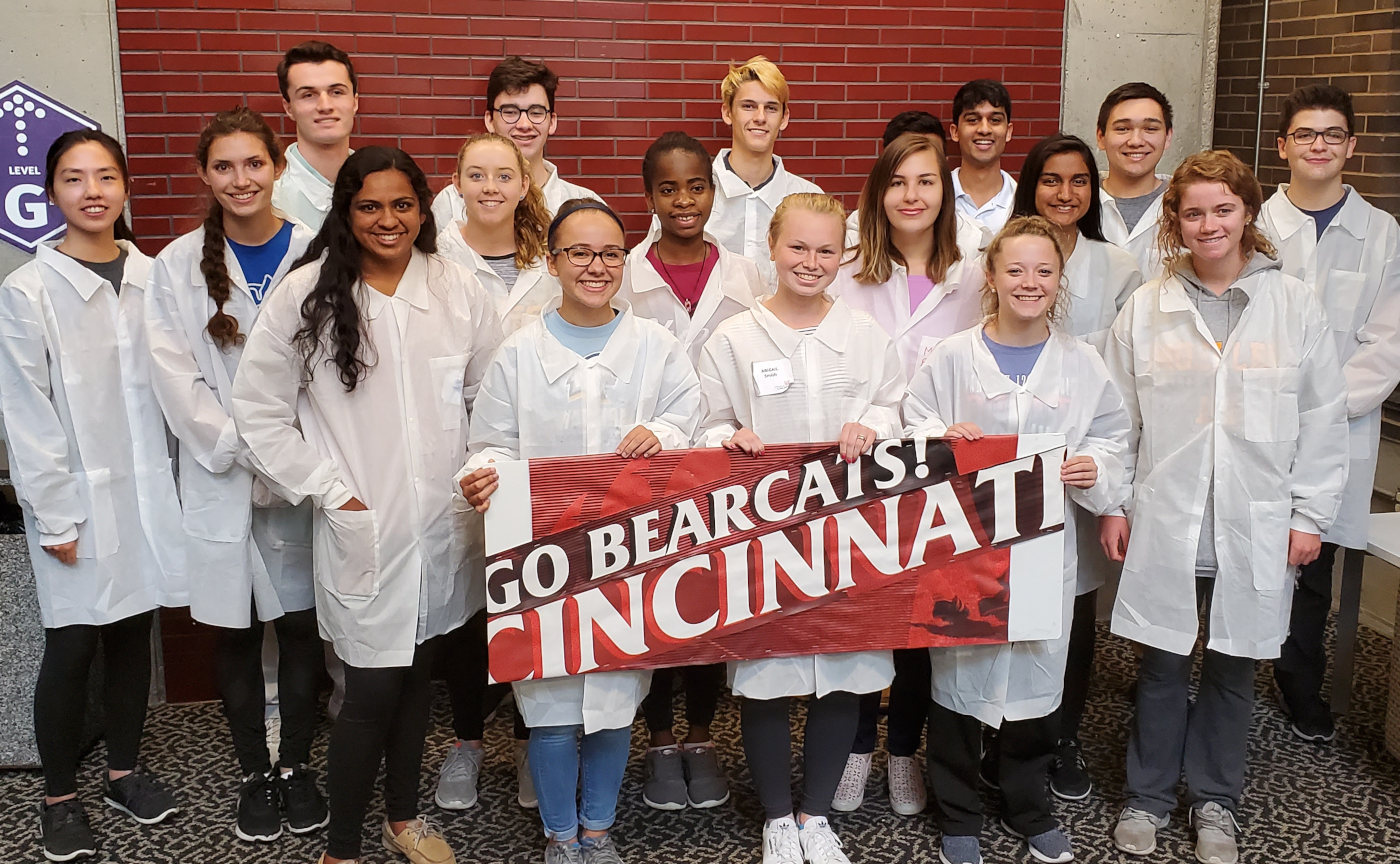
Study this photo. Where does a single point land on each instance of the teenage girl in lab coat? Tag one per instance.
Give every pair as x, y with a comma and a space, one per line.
911, 276
353, 392
248, 564
832, 374
1060, 182
1018, 373
88, 457
587, 377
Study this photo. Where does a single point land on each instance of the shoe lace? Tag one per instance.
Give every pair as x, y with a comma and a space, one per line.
66, 813
140, 786
1131, 814
783, 842
1213, 816
822, 844
458, 765
421, 829
600, 851
300, 783
1068, 753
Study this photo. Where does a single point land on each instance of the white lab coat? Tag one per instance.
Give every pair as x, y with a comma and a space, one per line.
846, 371
1142, 240
1264, 420
1100, 277
1068, 392
236, 552
448, 206
516, 305
740, 215
301, 193
734, 285
1355, 272
992, 215
972, 236
86, 441
394, 575
954, 304
539, 398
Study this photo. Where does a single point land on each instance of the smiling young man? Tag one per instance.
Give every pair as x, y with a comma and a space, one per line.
319, 94
981, 127
750, 180
520, 106
1346, 250
1134, 130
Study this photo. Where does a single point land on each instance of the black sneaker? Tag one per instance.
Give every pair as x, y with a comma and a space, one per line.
990, 770
1312, 718
140, 796
64, 831
1069, 777
302, 803
259, 809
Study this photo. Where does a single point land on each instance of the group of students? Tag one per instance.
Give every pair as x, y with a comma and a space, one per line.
341, 360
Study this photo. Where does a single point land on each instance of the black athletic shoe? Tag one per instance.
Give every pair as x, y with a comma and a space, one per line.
302, 803
1312, 717
140, 796
1069, 777
64, 831
259, 809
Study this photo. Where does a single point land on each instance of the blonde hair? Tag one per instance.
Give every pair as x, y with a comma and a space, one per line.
1024, 226
757, 68
1210, 166
876, 247
531, 215
812, 202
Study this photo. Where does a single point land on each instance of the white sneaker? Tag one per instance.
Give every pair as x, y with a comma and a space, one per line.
523, 780
850, 792
780, 843
820, 845
906, 779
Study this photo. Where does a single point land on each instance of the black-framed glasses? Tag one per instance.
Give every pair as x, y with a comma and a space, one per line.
511, 113
1332, 135
582, 257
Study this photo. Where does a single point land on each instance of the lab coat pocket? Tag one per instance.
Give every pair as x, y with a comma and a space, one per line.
1342, 296
1268, 544
447, 375
346, 550
1270, 404
97, 536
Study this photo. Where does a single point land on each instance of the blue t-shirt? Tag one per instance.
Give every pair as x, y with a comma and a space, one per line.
584, 341
1014, 361
1322, 218
259, 263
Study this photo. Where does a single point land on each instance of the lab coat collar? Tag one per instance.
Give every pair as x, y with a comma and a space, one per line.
525, 279
619, 356
300, 166
771, 193
1354, 217
1172, 296
413, 287
83, 280
834, 331
646, 278
1043, 382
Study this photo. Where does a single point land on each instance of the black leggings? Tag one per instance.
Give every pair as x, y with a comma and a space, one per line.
702, 685
60, 695
1079, 665
465, 668
240, 674
831, 726
909, 698
385, 717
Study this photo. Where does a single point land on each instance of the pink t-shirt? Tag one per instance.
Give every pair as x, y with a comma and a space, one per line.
687, 281
919, 288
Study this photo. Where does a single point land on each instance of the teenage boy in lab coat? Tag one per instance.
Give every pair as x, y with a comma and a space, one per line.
1349, 253
750, 180
1134, 130
319, 93
520, 106
981, 127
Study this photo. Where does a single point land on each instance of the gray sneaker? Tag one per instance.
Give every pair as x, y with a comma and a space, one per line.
563, 853
525, 784
1215, 834
664, 788
1136, 831
705, 783
456, 786
600, 850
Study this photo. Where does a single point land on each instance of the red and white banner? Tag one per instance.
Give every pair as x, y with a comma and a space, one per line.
700, 556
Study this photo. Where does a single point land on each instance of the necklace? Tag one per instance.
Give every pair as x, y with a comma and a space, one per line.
694, 291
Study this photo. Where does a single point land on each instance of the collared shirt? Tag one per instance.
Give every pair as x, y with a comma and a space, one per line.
301, 192
991, 215
740, 216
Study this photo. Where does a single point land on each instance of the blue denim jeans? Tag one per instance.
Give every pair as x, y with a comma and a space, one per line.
565, 803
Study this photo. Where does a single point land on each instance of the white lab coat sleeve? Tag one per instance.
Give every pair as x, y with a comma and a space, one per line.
265, 393
1118, 357
678, 404
191, 409
1320, 462
494, 434
883, 413
1103, 441
924, 415
35, 436
716, 371
1373, 369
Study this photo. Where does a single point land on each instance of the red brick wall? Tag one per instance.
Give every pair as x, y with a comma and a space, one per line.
629, 70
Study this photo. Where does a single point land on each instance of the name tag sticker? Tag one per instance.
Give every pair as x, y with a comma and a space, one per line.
772, 376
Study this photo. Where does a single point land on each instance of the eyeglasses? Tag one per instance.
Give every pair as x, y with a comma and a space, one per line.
582, 257
1332, 135
511, 113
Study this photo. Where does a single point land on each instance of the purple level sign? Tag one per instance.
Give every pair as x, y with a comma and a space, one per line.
29, 123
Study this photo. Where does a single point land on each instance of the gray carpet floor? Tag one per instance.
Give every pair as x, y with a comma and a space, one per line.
1303, 803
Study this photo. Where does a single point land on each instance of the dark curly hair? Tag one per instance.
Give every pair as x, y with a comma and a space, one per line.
330, 308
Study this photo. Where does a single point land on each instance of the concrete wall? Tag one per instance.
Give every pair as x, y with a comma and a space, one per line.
1169, 45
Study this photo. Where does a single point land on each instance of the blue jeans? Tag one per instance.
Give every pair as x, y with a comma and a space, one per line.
554, 766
